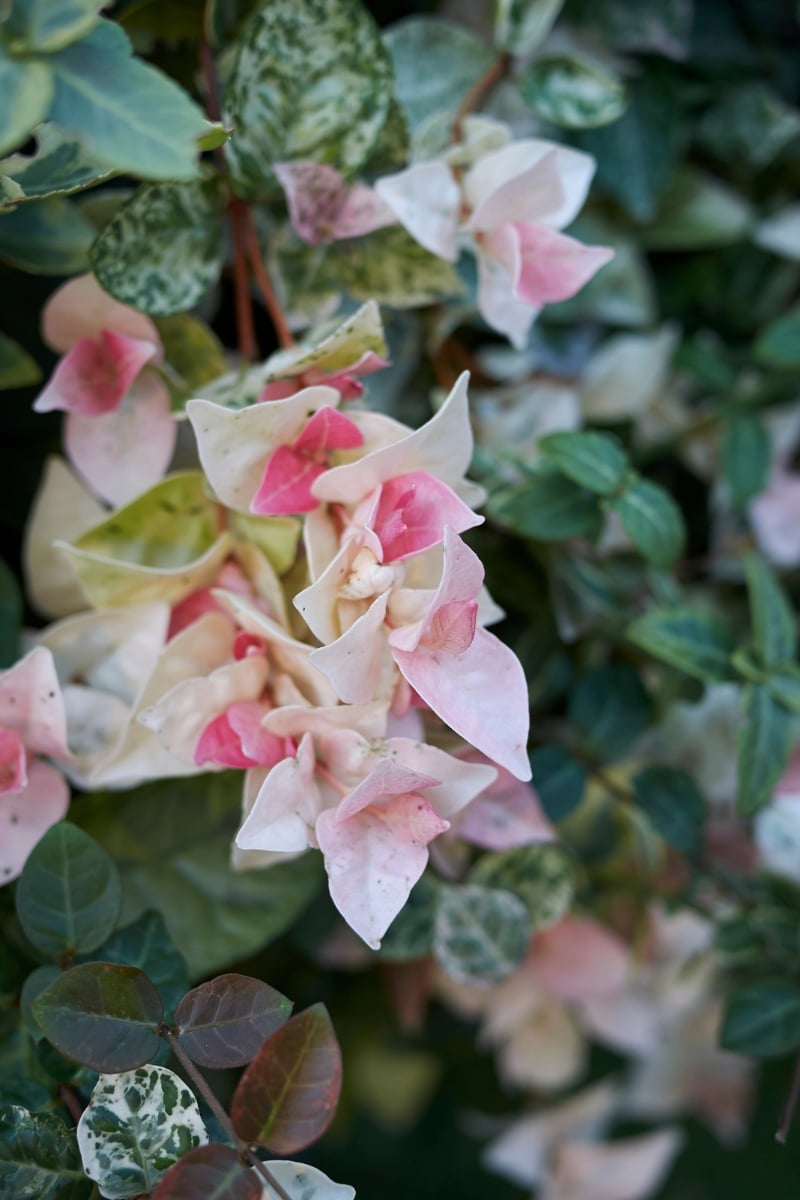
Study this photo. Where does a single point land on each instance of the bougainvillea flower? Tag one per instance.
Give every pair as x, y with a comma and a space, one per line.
33, 795
506, 815
285, 487
408, 515
93, 377
324, 208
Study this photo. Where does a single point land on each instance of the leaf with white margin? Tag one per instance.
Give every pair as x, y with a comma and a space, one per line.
344, 346
62, 510
234, 445
442, 446
301, 1182
160, 547
780, 233
137, 1124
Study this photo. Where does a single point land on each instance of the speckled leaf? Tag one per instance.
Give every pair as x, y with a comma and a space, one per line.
539, 875
161, 546
68, 895
163, 250
27, 89
59, 165
520, 25
390, 267
573, 92
311, 80
146, 944
133, 117
224, 1022
335, 350
47, 238
43, 26
102, 1015
39, 1158
214, 1172
480, 933
136, 1126
435, 62
287, 1097
301, 1182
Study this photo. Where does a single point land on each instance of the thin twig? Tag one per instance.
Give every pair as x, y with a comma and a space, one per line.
285, 336
71, 1101
248, 347
219, 1112
782, 1132
478, 92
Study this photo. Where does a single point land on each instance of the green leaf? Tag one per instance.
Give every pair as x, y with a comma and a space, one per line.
58, 166
559, 781
26, 86
539, 875
435, 63
390, 267
652, 520
648, 26
47, 238
751, 125
39, 1158
146, 944
43, 26
765, 744
698, 212
193, 353
287, 1097
311, 80
102, 1015
132, 117
10, 616
215, 914
593, 460
215, 1172
163, 249
224, 1022
673, 803
570, 91
762, 1019
548, 507
332, 350
693, 641
68, 895
774, 625
520, 25
609, 708
784, 686
17, 367
410, 934
746, 457
137, 1125
480, 934
778, 344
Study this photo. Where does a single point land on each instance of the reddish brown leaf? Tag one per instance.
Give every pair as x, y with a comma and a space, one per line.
287, 1097
214, 1172
223, 1023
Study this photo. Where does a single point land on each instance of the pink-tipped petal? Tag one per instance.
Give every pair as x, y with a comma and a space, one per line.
31, 704
412, 512
579, 959
329, 429
26, 817
258, 744
286, 807
528, 180
13, 773
386, 779
93, 377
286, 485
506, 815
552, 266
497, 303
219, 743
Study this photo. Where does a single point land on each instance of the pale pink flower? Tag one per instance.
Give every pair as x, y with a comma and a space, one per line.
119, 432
33, 795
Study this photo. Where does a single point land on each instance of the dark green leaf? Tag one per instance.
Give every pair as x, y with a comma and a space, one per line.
547, 507
102, 1015
214, 1172
224, 1022
783, 685
146, 944
559, 781
673, 803
287, 1097
594, 460
762, 1019
610, 708
652, 520
686, 638
774, 625
746, 457
26, 85
43, 26
435, 62
765, 744
778, 344
163, 249
697, 212
10, 615
39, 1158
47, 238
751, 125
570, 91
481, 934
68, 895
33, 987
410, 934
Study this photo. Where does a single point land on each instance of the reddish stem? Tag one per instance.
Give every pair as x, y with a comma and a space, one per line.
71, 1101
478, 92
285, 336
248, 347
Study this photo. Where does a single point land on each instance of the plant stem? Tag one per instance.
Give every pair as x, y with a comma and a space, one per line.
71, 1101
782, 1132
248, 347
478, 92
219, 1112
285, 336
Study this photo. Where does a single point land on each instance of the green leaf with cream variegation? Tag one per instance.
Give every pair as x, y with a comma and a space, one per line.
26, 85
435, 62
311, 80
48, 238
521, 25
480, 934
335, 350
390, 267
571, 91
275, 537
163, 249
42, 26
39, 1157
137, 1125
58, 166
162, 546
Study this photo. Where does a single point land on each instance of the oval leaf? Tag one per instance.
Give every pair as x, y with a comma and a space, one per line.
774, 626
137, 1125
652, 520
39, 1157
213, 1172
102, 1015
763, 1019
548, 507
287, 1097
594, 460
572, 92
223, 1023
68, 895
673, 803
480, 934
692, 641
765, 744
